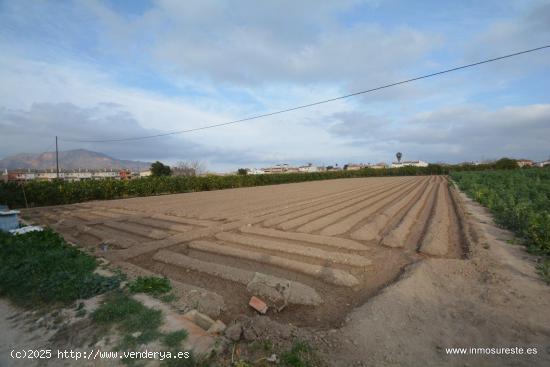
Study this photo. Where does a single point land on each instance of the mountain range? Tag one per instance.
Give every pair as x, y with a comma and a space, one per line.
70, 159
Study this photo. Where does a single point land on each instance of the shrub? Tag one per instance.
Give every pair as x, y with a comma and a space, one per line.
518, 199
41, 268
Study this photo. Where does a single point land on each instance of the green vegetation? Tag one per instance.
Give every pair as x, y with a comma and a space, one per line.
40, 193
154, 286
158, 169
40, 268
301, 355
174, 339
543, 269
138, 323
518, 199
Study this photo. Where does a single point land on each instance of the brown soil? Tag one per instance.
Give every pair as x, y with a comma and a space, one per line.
290, 232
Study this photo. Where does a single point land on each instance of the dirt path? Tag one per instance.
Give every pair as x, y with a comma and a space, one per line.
492, 299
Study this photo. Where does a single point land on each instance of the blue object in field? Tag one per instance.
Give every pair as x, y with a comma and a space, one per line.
9, 220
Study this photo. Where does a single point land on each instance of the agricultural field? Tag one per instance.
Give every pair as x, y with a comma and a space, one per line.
314, 251
518, 199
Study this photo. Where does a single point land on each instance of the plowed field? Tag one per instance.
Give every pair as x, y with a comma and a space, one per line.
316, 250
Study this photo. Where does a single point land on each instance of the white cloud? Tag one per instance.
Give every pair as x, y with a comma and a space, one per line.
465, 132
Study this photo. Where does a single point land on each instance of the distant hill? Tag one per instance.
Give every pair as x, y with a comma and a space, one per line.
70, 159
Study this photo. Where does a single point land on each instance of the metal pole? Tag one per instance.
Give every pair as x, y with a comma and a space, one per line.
56, 158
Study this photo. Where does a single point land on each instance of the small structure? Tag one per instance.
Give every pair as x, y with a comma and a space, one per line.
9, 220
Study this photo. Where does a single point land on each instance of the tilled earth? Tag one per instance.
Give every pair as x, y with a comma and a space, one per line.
314, 251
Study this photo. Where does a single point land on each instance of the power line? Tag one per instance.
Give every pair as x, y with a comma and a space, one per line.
309, 104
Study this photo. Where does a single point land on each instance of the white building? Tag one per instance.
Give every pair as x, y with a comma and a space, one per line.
309, 168
409, 163
145, 173
256, 171
106, 174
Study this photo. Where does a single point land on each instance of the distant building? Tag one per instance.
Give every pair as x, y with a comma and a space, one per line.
525, 162
409, 163
543, 163
353, 166
255, 171
379, 165
145, 173
309, 168
279, 168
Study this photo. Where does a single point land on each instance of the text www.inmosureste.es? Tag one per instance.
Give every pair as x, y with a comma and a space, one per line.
492, 351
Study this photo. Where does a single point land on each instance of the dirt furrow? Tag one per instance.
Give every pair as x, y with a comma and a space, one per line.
312, 215
161, 224
107, 236
277, 220
329, 275
306, 237
269, 244
343, 220
371, 231
182, 220
397, 237
436, 240
263, 284
136, 229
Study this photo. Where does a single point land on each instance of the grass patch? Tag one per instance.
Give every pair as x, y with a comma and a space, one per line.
174, 339
129, 314
154, 286
543, 269
301, 355
40, 268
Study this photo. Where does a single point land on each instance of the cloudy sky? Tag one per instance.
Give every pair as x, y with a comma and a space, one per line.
100, 69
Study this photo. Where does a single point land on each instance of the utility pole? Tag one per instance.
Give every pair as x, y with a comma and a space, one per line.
56, 158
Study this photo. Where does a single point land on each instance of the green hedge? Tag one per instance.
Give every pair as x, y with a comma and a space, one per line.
519, 200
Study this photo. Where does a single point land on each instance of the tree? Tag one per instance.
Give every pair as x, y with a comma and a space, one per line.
158, 169
192, 168
242, 171
506, 163
398, 155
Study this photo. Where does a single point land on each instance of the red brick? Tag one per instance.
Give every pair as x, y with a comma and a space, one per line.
258, 305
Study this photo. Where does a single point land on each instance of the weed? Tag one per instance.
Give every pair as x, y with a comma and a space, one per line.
301, 355
131, 315
151, 285
174, 339
543, 269
167, 298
